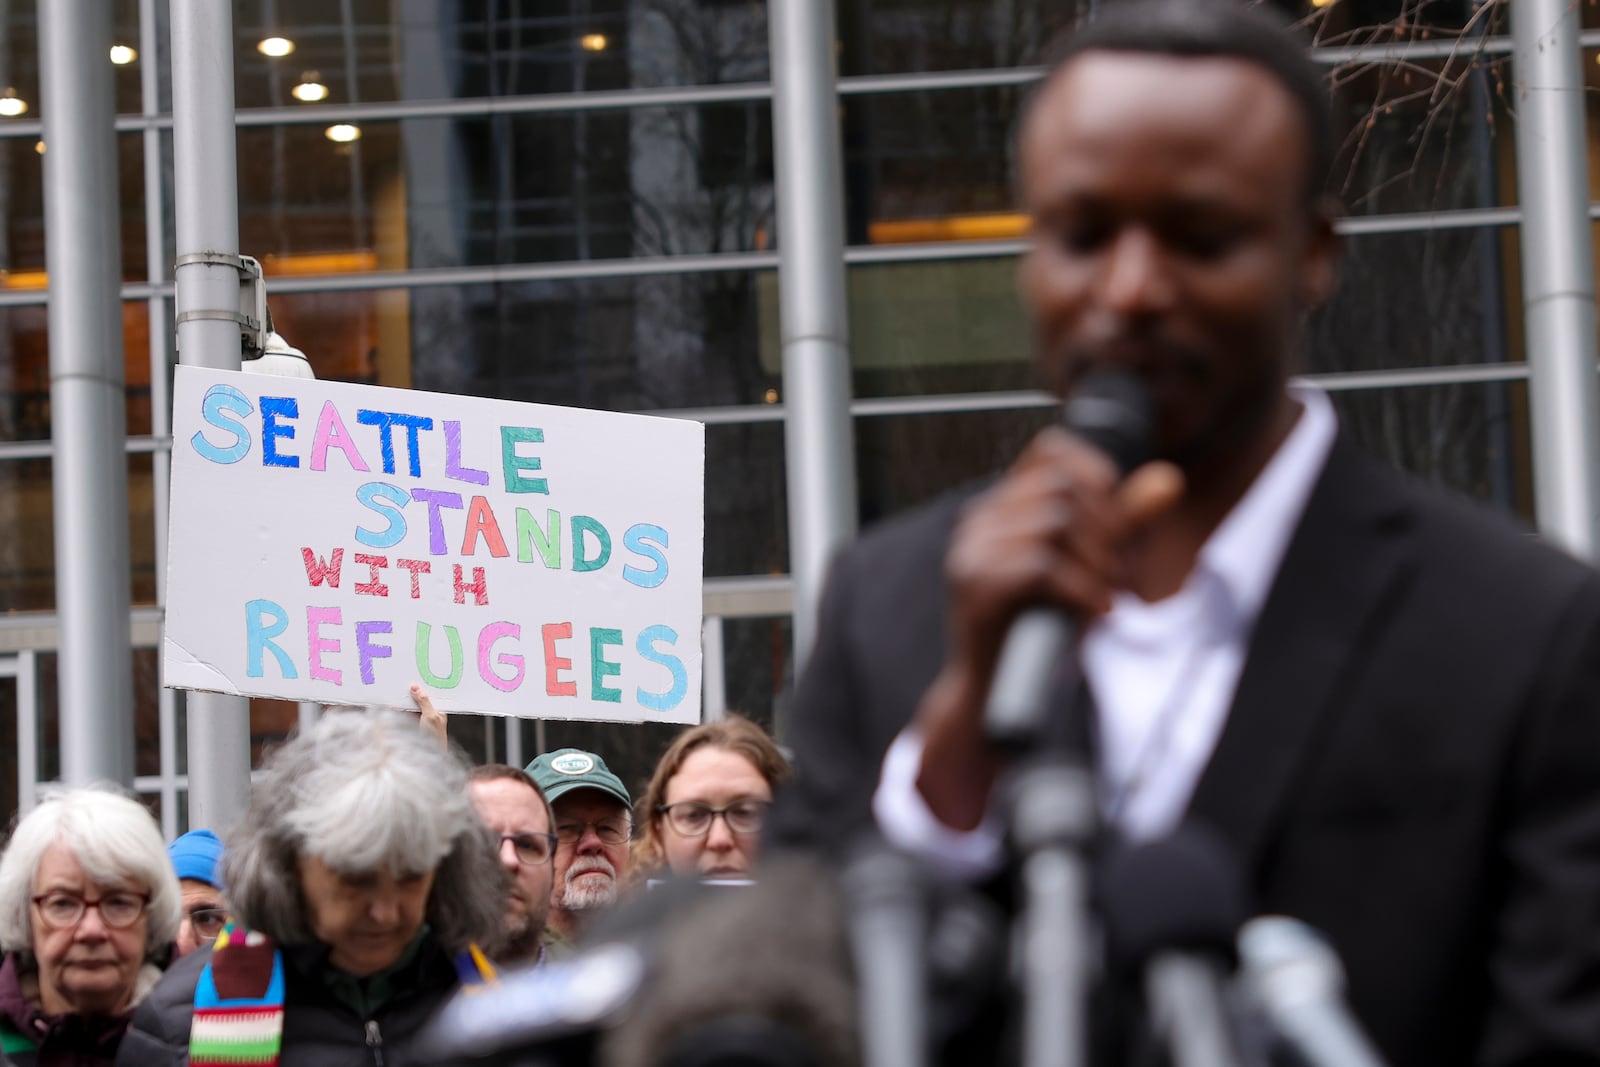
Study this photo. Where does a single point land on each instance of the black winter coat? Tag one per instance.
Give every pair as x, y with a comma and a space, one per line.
319, 1030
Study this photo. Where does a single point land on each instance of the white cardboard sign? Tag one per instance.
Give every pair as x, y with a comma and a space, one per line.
336, 543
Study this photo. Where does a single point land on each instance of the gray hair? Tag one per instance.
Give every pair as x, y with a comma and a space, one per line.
364, 790
114, 840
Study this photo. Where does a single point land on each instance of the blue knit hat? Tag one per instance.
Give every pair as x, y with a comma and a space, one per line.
198, 855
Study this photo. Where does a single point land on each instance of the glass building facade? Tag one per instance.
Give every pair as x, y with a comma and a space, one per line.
573, 202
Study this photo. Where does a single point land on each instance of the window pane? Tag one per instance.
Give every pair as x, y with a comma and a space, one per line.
19, 55
760, 667
1424, 135
747, 515
905, 460
950, 326
25, 371
624, 344
27, 557
22, 241
1472, 438
908, 36
424, 50
1426, 299
511, 189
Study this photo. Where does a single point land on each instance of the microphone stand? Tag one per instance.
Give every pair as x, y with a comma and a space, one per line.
1051, 811
1051, 806
889, 930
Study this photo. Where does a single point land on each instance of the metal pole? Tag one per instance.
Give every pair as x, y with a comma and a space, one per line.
27, 731
713, 671
1557, 272
155, 254
818, 437
206, 210
83, 253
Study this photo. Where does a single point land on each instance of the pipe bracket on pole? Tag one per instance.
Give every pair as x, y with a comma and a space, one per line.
242, 264
250, 315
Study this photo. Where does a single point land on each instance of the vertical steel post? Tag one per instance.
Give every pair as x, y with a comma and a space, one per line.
818, 437
156, 267
206, 210
1557, 272
83, 253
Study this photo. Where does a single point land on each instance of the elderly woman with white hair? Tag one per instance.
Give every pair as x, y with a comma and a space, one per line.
88, 910
361, 884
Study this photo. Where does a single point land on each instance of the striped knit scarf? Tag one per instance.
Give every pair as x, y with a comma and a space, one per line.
238, 1004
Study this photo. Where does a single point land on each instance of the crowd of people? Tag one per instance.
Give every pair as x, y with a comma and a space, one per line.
373, 875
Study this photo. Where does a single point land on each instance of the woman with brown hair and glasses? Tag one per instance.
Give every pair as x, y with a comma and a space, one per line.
707, 802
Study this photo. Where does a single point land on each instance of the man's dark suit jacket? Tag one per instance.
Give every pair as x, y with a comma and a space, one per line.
1411, 762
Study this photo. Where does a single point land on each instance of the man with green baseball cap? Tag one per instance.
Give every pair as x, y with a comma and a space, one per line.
594, 822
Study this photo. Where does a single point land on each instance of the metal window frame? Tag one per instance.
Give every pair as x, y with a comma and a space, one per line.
754, 596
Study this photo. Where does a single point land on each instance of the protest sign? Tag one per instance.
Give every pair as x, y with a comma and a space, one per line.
336, 542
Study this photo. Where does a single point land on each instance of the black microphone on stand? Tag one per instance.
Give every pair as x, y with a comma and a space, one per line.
1050, 797
1111, 410
1173, 907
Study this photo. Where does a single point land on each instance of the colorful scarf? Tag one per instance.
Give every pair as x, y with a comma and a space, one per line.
238, 1004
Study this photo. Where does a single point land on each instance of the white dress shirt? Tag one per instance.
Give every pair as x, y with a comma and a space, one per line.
1162, 674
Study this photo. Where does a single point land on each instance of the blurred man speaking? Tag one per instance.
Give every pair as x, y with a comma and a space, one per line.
1386, 700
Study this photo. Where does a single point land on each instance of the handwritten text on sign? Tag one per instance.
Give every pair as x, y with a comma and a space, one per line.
337, 542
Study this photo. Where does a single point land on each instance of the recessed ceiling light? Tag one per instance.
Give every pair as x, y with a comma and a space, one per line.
122, 55
12, 105
310, 90
593, 42
276, 47
343, 133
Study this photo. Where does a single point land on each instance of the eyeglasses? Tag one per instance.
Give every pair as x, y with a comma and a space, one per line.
207, 922
533, 849
692, 818
613, 831
62, 911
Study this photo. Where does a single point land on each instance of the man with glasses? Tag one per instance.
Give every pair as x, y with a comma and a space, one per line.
512, 805
594, 823
197, 861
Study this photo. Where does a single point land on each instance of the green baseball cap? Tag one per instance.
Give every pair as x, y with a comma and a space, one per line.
566, 769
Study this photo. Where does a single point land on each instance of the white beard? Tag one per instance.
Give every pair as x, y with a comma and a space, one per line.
591, 893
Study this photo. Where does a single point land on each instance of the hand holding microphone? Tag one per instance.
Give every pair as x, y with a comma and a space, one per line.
1045, 542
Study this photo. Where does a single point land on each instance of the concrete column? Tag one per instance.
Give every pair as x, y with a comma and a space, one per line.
818, 436
1557, 272
83, 253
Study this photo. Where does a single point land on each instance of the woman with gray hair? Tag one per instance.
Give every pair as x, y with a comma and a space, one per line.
88, 910
361, 884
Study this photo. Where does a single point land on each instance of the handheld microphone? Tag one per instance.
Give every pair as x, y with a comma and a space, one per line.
1113, 412
1172, 907
1296, 980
